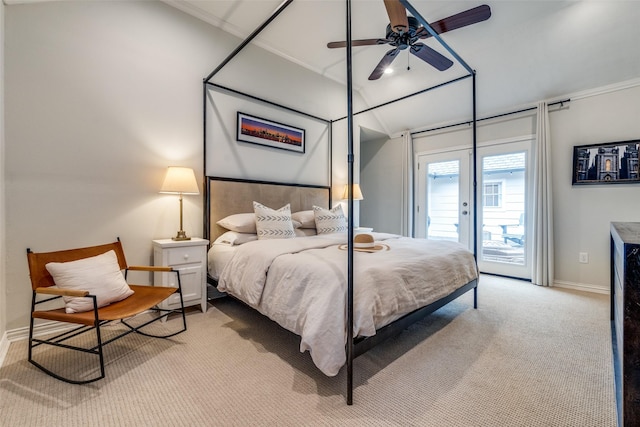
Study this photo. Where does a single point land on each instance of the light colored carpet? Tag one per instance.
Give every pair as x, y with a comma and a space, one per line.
529, 356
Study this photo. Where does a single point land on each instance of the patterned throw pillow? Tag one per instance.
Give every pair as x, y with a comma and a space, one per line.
272, 224
330, 221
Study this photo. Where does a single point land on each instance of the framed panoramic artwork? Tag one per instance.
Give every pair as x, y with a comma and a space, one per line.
608, 163
260, 131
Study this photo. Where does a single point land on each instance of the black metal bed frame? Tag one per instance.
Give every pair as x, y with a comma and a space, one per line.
357, 346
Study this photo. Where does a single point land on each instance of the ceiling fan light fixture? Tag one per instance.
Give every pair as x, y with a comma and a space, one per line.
388, 70
405, 32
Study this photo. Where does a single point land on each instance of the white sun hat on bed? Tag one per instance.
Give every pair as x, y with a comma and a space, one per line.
364, 242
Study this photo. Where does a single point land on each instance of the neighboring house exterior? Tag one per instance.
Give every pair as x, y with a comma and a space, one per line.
503, 197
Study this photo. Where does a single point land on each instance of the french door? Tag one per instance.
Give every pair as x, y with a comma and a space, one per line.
444, 204
504, 188
445, 211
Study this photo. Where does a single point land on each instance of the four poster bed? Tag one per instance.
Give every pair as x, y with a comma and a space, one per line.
301, 282
341, 301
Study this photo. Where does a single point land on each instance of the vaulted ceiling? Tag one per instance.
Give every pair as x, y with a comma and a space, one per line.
525, 52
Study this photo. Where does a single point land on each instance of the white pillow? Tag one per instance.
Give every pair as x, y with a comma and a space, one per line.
330, 221
231, 238
305, 232
272, 224
100, 275
242, 223
305, 218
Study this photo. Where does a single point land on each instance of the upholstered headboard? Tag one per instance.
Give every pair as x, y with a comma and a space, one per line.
228, 196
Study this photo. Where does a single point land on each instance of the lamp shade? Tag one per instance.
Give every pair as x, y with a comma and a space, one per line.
179, 180
357, 193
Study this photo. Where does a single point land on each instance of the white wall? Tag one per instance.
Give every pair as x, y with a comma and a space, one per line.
3, 283
381, 182
294, 87
582, 214
227, 157
340, 172
100, 98
95, 111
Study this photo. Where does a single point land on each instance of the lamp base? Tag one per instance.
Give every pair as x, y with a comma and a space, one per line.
182, 235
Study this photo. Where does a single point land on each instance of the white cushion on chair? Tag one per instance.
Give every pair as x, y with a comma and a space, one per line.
100, 275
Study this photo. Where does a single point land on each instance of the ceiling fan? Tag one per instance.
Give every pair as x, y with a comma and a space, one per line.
404, 32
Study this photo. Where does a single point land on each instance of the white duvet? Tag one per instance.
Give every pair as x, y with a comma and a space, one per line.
301, 283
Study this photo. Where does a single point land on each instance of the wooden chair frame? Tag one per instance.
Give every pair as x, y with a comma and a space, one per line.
144, 298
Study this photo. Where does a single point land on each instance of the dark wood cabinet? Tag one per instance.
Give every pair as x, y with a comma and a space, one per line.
625, 319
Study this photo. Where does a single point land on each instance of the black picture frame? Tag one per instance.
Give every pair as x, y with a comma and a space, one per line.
606, 163
256, 130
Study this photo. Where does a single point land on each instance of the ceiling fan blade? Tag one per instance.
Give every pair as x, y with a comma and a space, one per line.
431, 56
386, 60
363, 42
397, 16
459, 20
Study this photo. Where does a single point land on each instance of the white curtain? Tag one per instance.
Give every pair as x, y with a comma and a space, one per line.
542, 220
406, 205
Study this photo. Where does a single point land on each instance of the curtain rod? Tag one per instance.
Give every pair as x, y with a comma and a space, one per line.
490, 117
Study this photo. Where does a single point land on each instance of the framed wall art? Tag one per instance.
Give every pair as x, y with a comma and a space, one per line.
260, 131
608, 163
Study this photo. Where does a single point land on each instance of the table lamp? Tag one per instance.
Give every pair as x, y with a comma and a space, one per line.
357, 193
180, 180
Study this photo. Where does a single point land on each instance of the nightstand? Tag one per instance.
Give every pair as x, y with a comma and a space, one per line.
190, 258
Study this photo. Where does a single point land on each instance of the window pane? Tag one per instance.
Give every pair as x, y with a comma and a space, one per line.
503, 228
492, 194
443, 187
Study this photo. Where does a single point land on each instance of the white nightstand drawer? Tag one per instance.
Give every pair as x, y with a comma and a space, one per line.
186, 255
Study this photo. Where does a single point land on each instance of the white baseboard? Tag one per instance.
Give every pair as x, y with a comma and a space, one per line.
4, 347
38, 330
582, 287
19, 334
23, 334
